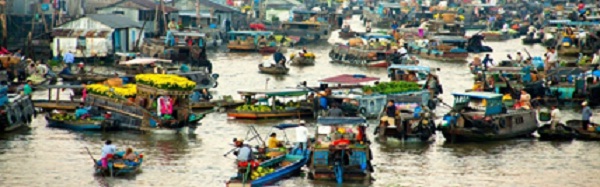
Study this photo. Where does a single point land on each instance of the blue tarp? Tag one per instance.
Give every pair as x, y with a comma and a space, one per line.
341, 120
285, 126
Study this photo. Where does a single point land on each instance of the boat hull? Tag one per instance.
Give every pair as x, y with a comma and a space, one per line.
51, 105
301, 61
266, 115
115, 169
213, 104
271, 178
79, 125
562, 132
347, 35
373, 64
83, 78
530, 41
274, 70
465, 132
583, 134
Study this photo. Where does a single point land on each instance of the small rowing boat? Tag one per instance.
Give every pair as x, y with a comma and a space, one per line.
562, 132
118, 166
68, 121
584, 134
274, 70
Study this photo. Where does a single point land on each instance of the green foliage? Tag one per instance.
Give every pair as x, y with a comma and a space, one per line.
393, 87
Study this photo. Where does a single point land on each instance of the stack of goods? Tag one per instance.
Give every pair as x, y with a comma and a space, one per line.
257, 108
165, 81
125, 91
392, 87
261, 172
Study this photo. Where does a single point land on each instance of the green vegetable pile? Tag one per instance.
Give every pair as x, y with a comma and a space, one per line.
393, 87
257, 108
584, 60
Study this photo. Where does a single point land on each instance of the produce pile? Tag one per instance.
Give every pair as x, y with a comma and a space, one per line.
167, 82
257, 108
128, 90
392, 87
68, 117
307, 55
260, 172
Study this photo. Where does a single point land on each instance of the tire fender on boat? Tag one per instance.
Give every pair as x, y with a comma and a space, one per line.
362, 110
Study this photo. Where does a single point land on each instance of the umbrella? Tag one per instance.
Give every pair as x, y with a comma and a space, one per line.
143, 61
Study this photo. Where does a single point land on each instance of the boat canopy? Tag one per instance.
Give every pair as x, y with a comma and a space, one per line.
450, 39
390, 5
582, 23
505, 69
377, 36
304, 12
491, 102
348, 79
284, 126
251, 33
276, 92
138, 61
341, 120
559, 21
409, 68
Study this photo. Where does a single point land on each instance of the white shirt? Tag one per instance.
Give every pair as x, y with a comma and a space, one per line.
67, 92
158, 106
402, 50
266, 64
555, 114
301, 134
552, 57
505, 28
108, 149
582, 35
596, 59
244, 153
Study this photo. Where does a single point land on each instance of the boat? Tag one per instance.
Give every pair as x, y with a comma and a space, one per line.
132, 105
200, 75
379, 18
307, 60
347, 35
226, 102
530, 41
273, 69
328, 161
248, 41
449, 49
413, 125
84, 78
306, 31
68, 121
497, 36
56, 103
18, 112
363, 55
279, 166
119, 167
261, 108
584, 134
484, 118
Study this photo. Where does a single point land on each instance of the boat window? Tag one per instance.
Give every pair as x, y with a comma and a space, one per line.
81, 42
519, 120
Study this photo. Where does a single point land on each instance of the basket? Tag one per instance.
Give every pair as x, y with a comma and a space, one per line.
448, 18
560, 7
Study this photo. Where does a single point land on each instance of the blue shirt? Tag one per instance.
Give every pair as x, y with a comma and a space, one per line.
527, 74
587, 113
184, 68
323, 103
278, 56
80, 112
394, 26
244, 154
69, 58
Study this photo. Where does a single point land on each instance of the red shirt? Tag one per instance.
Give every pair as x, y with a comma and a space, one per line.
341, 142
581, 6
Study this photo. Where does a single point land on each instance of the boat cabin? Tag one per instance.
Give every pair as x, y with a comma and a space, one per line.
341, 152
309, 31
273, 103
249, 40
439, 27
348, 94
398, 72
485, 103
389, 10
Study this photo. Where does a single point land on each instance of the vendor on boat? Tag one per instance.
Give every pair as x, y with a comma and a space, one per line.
279, 58
244, 153
525, 100
335, 111
586, 114
82, 112
262, 41
555, 116
390, 116
272, 142
346, 28
129, 155
301, 135
107, 153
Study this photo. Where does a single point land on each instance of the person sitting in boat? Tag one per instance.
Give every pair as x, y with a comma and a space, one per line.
262, 42
335, 111
82, 112
279, 57
532, 31
107, 153
525, 100
81, 68
346, 28
555, 116
568, 33
368, 27
129, 155
412, 77
184, 68
303, 52
42, 69
244, 153
342, 141
272, 142
390, 116
519, 57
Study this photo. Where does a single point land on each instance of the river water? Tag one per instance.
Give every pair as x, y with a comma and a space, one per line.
43, 156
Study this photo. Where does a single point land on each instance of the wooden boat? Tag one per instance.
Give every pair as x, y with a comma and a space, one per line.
475, 123
561, 132
117, 166
306, 31
357, 56
19, 113
68, 121
328, 161
448, 49
347, 35
495, 36
302, 61
295, 163
57, 103
249, 41
262, 110
409, 128
85, 78
202, 105
584, 134
275, 70
531, 41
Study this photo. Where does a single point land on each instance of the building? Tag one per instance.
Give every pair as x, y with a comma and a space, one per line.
96, 34
141, 11
220, 12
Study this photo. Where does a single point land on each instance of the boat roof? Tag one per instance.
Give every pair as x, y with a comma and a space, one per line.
507, 69
284, 126
304, 12
142, 60
13, 98
390, 5
409, 67
341, 120
559, 21
582, 23
192, 34
348, 79
454, 39
250, 32
376, 35
481, 95
276, 92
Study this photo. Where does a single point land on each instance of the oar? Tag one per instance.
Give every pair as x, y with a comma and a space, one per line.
94, 160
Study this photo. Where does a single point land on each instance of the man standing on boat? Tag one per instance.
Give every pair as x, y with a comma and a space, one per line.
69, 59
555, 115
586, 115
301, 135
107, 152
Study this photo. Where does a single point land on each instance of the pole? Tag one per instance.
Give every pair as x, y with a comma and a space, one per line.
137, 42
156, 19
3, 20
164, 16
198, 13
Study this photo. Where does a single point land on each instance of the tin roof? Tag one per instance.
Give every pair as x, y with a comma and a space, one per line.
349, 79
142, 5
115, 21
90, 33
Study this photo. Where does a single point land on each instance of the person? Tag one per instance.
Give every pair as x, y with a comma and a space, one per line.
83, 92
129, 155
172, 25
301, 135
323, 103
519, 57
346, 28
18, 54
31, 69
432, 85
390, 114
525, 100
42, 69
341, 141
279, 57
487, 61
272, 143
335, 111
531, 32
551, 59
586, 115
262, 41
394, 25
581, 8
69, 59
184, 68
27, 89
244, 153
596, 58
82, 112
505, 28
555, 116
107, 115
3, 93
475, 64
368, 27
581, 37
303, 52
107, 152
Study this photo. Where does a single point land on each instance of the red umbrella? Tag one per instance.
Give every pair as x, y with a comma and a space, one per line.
258, 26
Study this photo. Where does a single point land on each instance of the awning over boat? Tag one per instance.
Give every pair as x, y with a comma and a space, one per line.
480, 95
276, 92
143, 61
341, 121
285, 126
349, 79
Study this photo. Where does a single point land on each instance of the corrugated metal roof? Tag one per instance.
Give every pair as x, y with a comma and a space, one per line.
115, 21
80, 32
144, 4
